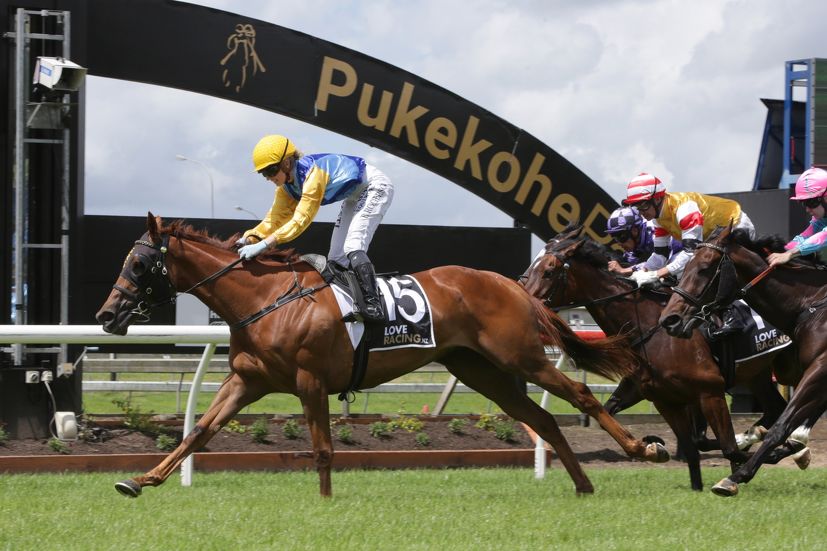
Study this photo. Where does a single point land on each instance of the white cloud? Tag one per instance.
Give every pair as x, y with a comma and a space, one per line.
617, 87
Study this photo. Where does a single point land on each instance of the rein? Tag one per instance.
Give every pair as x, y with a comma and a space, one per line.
159, 273
724, 297
563, 278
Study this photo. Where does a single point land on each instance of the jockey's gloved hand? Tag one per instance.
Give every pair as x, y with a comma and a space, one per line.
645, 279
240, 242
248, 252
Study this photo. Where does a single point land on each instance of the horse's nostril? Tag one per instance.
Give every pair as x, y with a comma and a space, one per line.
105, 316
670, 321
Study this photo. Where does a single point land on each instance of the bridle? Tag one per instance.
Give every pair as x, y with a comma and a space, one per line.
727, 293
154, 288
559, 284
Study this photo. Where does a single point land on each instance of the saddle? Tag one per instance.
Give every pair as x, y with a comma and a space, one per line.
333, 272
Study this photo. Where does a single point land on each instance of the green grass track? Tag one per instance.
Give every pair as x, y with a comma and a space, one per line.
641, 508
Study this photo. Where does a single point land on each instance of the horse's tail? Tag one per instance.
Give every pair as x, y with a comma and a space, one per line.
611, 357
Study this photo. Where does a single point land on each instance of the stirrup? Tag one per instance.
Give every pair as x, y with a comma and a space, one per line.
372, 311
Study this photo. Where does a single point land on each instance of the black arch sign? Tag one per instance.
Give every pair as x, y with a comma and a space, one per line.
257, 63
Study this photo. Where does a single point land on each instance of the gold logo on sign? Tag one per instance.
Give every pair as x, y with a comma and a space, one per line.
241, 58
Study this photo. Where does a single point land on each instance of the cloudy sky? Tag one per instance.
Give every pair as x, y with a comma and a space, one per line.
616, 86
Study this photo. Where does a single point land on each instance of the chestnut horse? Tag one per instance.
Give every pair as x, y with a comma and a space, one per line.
679, 376
487, 331
729, 265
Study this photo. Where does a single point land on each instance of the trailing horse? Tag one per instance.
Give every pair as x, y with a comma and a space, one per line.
680, 377
729, 266
487, 331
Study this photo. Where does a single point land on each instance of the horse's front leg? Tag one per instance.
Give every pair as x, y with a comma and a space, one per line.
715, 410
681, 424
807, 404
314, 399
233, 395
579, 395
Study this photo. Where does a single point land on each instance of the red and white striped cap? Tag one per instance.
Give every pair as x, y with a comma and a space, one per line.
642, 187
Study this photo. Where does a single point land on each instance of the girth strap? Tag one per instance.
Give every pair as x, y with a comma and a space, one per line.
360, 367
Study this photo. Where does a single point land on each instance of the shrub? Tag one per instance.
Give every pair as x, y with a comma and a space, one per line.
134, 419
236, 427
165, 443
4, 436
422, 439
486, 422
291, 429
504, 430
457, 426
379, 429
58, 446
407, 423
260, 430
345, 434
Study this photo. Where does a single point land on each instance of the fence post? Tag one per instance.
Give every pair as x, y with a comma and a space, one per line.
540, 444
192, 403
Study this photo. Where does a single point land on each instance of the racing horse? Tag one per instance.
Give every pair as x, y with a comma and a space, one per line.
487, 331
678, 376
729, 265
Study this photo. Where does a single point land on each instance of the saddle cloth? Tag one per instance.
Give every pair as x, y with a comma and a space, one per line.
758, 336
408, 323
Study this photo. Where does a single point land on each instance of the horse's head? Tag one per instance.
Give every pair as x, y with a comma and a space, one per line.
708, 283
547, 277
142, 283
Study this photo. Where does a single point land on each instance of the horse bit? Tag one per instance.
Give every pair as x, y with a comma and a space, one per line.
725, 272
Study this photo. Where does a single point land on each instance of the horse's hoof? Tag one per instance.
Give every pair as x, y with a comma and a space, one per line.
652, 439
725, 488
129, 488
802, 458
661, 454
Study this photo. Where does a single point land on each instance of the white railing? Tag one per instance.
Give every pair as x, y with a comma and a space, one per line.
208, 335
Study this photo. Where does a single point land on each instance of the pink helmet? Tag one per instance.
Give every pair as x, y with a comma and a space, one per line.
642, 187
811, 184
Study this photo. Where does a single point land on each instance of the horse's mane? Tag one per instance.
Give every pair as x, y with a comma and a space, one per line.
182, 230
762, 246
569, 235
591, 251
766, 244
595, 253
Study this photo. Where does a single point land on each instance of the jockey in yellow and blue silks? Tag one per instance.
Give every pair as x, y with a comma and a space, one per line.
303, 184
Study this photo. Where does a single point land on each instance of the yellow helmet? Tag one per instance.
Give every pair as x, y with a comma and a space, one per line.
271, 150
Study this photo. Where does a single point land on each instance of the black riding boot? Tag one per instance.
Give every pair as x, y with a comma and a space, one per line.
362, 267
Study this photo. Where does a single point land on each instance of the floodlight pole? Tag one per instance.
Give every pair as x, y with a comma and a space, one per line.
209, 175
251, 213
